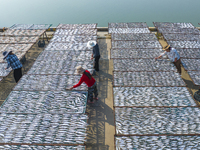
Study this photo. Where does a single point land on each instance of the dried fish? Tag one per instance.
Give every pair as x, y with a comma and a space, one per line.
147, 79
134, 37
191, 64
143, 65
184, 44
128, 30
135, 53
136, 44
18, 40
157, 142
181, 37
128, 25
48, 82
179, 30
76, 32
16, 32
77, 26
21, 26
43, 128
60, 102
152, 96
73, 39
195, 76
30, 26
4, 72
157, 120
189, 53
173, 25
40, 26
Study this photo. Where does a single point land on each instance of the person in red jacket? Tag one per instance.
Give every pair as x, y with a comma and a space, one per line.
90, 81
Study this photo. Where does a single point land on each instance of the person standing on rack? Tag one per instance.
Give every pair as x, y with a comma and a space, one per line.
89, 80
14, 63
173, 55
95, 55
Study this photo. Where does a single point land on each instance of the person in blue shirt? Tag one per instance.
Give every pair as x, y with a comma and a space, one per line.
14, 63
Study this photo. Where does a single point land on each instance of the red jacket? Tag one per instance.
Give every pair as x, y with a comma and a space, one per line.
85, 79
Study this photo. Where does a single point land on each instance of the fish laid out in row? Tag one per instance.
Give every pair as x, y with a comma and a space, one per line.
184, 44
179, 120
136, 44
157, 142
67, 46
72, 32
4, 72
195, 75
179, 30
152, 96
134, 37
73, 39
191, 64
54, 102
189, 53
77, 26
128, 25
17, 32
173, 25
181, 37
31, 26
147, 79
70, 55
43, 128
18, 40
59, 67
142, 65
48, 82
128, 30
38, 147
134, 53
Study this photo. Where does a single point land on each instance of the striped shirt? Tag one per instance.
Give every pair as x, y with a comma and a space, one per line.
13, 62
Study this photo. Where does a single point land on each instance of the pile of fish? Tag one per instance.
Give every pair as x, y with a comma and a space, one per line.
39, 147
77, 26
157, 120
135, 37
152, 96
191, 64
31, 26
72, 32
173, 25
43, 128
17, 39
143, 65
136, 44
157, 142
145, 78
120, 53
22, 32
48, 82
54, 102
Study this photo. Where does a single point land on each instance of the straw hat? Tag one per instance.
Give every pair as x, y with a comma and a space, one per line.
5, 54
79, 70
91, 44
166, 47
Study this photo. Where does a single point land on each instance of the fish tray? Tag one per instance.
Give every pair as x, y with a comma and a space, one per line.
59, 67
179, 30
181, 37
73, 39
173, 25
54, 102
18, 40
77, 26
128, 25
3, 72
146, 78
67, 46
128, 30
195, 76
16, 32
43, 128
48, 82
140, 121
78, 55
143, 65
152, 96
189, 53
40, 147
71, 32
31, 26
136, 44
134, 53
191, 64
134, 37
157, 142
184, 44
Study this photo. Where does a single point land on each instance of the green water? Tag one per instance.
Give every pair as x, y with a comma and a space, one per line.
97, 11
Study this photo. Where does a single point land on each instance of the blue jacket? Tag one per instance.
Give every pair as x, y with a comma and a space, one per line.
13, 62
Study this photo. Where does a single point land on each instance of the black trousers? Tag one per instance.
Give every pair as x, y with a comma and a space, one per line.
17, 74
178, 65
96, 63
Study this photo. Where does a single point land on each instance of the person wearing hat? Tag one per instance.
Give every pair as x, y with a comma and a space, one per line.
89, 81
95, 54
14, 63
173, 55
